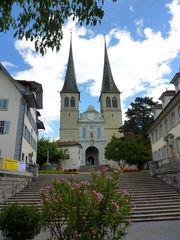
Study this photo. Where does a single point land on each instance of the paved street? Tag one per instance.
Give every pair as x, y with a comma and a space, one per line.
166, 230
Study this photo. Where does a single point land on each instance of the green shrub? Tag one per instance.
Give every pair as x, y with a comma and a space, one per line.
86, 210
20, 222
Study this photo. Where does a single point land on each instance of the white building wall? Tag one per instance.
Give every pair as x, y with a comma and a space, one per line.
14, 144
9, 91
74, 158
169, 125
28, 151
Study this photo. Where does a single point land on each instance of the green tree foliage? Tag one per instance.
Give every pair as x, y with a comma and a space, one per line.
116, 151
139, 117
42, 21
131, 148
46, 147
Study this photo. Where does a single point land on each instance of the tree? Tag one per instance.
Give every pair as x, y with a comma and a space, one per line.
47, 149
130, 149
139, 117
42, 21
138, 152
116, 151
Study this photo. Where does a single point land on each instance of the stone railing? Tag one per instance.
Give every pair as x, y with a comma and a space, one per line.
168, 170
165, 166
12, 182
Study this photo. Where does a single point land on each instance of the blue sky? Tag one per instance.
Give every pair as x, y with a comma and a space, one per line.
143, 39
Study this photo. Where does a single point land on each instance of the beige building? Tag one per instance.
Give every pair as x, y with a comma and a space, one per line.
165, 131
19, 123
91, 129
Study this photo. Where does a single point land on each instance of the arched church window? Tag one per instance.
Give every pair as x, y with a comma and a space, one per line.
66, 102
114, 102
108, 102
72, 102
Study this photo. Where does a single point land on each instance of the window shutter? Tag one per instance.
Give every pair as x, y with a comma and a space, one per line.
6, 127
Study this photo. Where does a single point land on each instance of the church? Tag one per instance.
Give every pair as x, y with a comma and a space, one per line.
84, 136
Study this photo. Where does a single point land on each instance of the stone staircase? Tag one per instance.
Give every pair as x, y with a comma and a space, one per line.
154, 200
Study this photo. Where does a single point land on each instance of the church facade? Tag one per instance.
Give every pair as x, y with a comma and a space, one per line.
92, 130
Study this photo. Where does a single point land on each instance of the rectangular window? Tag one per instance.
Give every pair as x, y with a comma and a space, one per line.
172, 120
4, 127
177, 141
3, 104
22, 157
166, 126
179, 113
156, 134
152, 137
0, 159
84, 133
160, 131
98, 133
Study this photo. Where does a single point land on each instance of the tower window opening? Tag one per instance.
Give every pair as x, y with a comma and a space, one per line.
108, 102
72, 102
114, 102
66, 102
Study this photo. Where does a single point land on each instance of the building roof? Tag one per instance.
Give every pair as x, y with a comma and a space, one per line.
168, 108
68, 143
167, 93
70, 85
27, 92
33, 86
176, 76
40, 124
108, 84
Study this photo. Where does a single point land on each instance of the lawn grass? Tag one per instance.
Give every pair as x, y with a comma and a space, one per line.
58, 171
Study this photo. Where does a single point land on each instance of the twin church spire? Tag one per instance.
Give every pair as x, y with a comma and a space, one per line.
70, 84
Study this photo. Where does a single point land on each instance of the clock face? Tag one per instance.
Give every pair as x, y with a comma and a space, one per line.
91, 116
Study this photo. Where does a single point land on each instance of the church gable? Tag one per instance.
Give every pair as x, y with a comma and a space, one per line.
91, 115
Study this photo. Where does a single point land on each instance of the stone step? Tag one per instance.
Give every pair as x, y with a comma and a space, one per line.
155, 196
153, 199
155, 211
156, 207
155, 218
154, 215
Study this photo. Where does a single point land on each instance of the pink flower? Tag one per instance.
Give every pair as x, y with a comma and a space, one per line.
75, 186
97, 195
125, 192
115, 205
109, 177
104, 169
133, 204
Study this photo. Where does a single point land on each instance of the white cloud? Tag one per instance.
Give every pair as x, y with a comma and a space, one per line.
131, 8
139, 25
135, 64
8, 64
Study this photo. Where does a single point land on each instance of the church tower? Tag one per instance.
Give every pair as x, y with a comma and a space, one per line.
110, 105
70, 96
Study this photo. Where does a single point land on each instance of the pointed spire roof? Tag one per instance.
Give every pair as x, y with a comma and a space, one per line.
70, 85
108, 84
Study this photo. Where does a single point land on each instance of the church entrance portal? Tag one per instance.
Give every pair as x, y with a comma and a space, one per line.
92, 156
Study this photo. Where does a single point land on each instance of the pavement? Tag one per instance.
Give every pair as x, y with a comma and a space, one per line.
159, 230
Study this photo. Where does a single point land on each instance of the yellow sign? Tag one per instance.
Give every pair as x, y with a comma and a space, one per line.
10, 164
